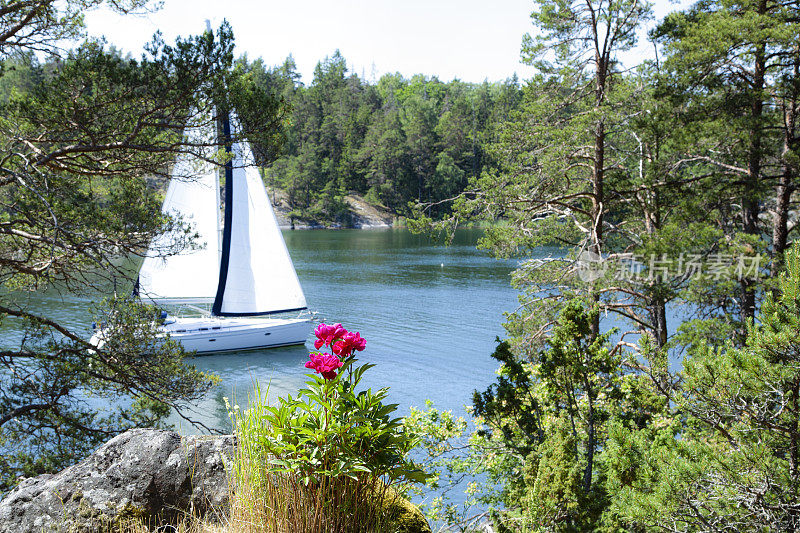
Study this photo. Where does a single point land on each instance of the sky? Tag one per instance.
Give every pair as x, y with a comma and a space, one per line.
472, 40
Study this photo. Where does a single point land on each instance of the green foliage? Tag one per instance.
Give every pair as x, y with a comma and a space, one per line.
541, 432
49, 414
556, 494
568, 165
578, 381
734, 465
510, 406
443, 439
86, 140
395, 141
330, 430
328, 459
675, 174
731, 73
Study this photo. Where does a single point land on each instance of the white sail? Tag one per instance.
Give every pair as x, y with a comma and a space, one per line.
192, 275
260, 276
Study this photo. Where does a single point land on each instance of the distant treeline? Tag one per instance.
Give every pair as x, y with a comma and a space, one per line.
395, 141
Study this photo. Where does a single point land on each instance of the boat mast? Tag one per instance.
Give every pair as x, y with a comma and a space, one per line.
218, 203
224, 125
217, 211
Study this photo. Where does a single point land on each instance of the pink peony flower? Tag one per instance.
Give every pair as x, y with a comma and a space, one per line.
326, 334
324, 364
348, 343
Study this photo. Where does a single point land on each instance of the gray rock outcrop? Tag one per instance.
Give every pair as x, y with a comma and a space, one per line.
148, 474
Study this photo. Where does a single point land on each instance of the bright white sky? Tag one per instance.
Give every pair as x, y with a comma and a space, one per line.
471, 40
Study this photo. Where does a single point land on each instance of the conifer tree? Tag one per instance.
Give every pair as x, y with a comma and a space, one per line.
736, 409
82, 152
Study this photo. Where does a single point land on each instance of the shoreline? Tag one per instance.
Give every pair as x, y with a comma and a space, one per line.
315, 226
362, 215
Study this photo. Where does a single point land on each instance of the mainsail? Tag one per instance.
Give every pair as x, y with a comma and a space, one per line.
257, 276
191, 275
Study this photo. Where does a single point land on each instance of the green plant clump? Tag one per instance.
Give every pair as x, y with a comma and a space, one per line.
331, 459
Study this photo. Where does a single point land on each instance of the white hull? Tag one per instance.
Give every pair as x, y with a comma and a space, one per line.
207, 335
212, 335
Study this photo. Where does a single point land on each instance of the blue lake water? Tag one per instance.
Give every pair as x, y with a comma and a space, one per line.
430, 314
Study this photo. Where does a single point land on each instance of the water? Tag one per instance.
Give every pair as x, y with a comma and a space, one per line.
430, 314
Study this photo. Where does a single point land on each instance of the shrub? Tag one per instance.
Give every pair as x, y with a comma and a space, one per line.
326, 460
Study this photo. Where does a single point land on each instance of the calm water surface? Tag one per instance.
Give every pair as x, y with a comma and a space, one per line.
430, 314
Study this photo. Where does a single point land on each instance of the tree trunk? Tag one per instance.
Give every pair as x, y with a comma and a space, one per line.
659, 314
598, 174
596, 236
780, 225
658, 305
786, 185
750, 207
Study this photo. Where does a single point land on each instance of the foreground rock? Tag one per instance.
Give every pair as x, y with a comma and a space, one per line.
149, 474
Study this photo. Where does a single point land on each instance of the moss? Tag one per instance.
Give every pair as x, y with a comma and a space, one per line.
85, 509
408, 518
130, 512
128, 517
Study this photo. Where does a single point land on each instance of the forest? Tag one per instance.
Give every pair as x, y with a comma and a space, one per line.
396, 141
650, 379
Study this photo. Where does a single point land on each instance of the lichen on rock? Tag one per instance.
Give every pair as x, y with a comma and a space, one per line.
144, 474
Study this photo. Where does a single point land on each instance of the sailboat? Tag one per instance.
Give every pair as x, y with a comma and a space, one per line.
242, 268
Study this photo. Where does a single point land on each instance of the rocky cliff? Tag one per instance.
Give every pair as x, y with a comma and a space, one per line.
363, 215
